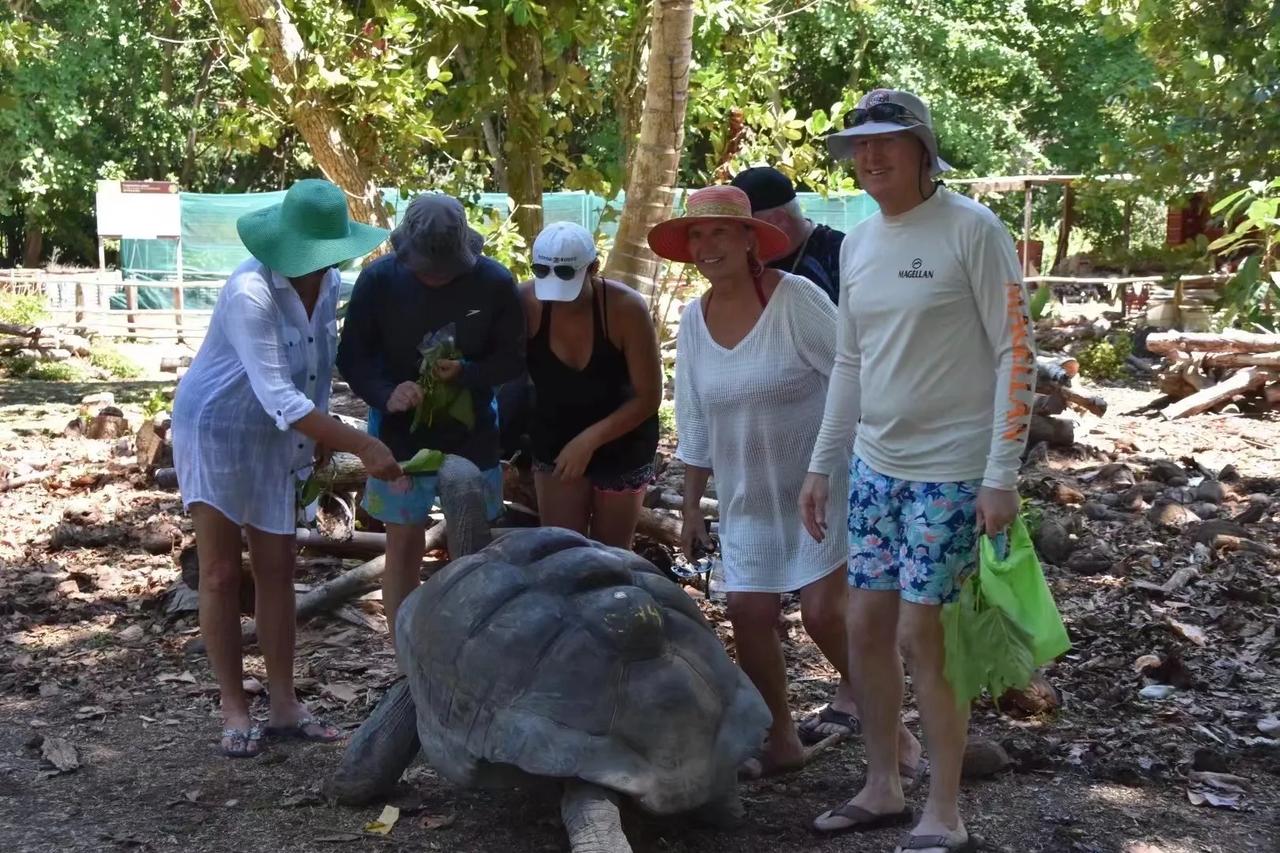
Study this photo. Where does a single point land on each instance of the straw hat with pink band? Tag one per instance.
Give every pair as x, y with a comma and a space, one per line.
670, 239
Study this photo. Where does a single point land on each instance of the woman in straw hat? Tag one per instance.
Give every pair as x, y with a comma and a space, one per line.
248, 419
753, 358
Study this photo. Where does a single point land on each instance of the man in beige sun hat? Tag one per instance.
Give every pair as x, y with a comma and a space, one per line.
933, 379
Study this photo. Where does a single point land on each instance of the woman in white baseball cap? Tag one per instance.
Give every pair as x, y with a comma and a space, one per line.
597, 377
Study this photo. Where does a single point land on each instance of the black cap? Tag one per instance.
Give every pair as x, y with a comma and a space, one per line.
765, 186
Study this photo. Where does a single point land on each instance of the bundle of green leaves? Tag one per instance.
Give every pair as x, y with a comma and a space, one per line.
985, 647
439, 397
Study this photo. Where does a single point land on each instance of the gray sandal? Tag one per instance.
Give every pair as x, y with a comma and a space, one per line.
244, 743
946, 842
298, 731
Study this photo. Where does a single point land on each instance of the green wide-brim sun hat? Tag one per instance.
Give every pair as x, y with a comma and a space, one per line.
308, 231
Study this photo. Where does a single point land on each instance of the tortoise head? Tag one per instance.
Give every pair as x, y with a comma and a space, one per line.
461, 490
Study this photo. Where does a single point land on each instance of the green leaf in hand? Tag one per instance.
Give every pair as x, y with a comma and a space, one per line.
425, 461
461, 409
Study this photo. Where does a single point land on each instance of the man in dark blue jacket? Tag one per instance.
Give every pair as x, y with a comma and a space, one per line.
435, 283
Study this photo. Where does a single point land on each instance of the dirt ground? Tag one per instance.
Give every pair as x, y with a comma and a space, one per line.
90, 657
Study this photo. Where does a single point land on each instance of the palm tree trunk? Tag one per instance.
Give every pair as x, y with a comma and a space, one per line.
317, 121
656, 162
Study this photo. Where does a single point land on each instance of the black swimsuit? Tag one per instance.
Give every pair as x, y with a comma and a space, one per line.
569, 401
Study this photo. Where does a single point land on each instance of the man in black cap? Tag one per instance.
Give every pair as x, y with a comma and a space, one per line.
435, 283
814, 251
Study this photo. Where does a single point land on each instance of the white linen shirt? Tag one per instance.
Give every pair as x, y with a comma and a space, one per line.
263, 365
751, 414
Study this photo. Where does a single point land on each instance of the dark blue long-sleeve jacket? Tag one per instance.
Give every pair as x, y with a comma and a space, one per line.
391, 312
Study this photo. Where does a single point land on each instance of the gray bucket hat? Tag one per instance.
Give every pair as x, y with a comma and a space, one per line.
434, 237
888, 111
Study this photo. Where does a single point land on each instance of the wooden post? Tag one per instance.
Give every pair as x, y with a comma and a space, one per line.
179, 296
131, 299
1026, 233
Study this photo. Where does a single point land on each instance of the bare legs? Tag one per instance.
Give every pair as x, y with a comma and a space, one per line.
607, 517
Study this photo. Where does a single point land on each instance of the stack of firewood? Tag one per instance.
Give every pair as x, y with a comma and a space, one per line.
1054, 395
18, 341
1209, 371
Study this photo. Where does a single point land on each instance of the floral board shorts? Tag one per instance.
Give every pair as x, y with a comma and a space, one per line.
629, 482
396, 503
919, 538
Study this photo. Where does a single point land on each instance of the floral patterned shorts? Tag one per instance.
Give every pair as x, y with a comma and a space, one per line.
628, 482
920, 538
410, 500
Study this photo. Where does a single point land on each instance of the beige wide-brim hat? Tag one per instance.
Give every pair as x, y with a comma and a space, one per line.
884, 111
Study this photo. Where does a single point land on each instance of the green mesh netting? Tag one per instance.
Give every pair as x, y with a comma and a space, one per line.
211, 248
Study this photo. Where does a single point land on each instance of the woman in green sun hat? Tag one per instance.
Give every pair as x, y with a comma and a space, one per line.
249, 418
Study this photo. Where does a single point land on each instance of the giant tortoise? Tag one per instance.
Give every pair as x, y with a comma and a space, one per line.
546, 656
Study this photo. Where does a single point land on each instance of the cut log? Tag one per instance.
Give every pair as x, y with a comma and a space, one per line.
1051, 403
1242, 382
1057, 337
19, 482
659, 526
1273, 396
360, 544
1056, 431
1091, 403
328, 596
671, 499
1057, 396
1234, 360
1230, 340
343, 473
171, 365
21, 331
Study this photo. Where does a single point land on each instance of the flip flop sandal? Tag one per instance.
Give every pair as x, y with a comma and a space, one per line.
810, 732
245, 743
862, 820
298, 731
911, 777
946, 842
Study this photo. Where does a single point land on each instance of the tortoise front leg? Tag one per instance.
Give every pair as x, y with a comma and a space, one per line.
379, 751
591, 817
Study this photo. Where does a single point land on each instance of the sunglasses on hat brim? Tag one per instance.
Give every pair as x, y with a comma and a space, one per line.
887, 111
564, 272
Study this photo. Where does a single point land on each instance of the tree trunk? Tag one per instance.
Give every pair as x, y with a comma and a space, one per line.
316, 120
524, 138
655, 166
33, 248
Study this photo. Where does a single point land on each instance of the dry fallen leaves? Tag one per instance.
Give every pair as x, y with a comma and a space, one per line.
1220, 790
343, 691
439, 821
60, 753
385, 822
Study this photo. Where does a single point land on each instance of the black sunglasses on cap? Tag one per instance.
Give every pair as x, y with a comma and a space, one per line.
562, 271
887, 111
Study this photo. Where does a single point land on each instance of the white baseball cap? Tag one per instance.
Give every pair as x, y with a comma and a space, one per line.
561, 255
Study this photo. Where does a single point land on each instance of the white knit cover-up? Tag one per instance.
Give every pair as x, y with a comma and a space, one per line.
751, 414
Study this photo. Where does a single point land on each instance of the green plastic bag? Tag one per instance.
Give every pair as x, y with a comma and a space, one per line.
1004, 625
1016, 585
